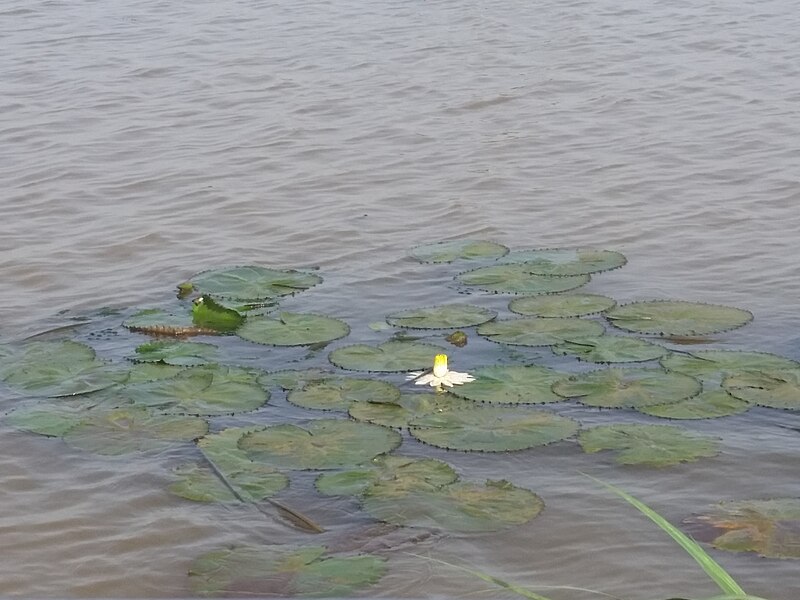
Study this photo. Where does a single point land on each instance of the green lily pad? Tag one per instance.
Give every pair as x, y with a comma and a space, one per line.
132, 429
253, 283
183, 354
465, 507
52, 419
406, 408
208, 391
561, 305
283, 571
200, 483
773, 389
445, 316
707, 405
518, 279
154, 321
649, 445
566, 261
770, 527
715, 364
322, 444
151, 371
390, 357
677, 318
448, 251
491, 429
611, 349
293, 378
403, 471
339, 393
534, 331
628, 388
57, 368
514, 384
293, 329
207, 312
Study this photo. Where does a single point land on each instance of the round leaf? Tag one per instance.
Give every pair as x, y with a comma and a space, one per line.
407, 407
534, 331
518, 279
566, 261
154, 321
677, 318
491, 429
632, 388
561, 305
183, 354
611, 349
715, 364
515, 384
774, 389
389, 357
446, 316
707, 405
292, 329
200, 483
292, 378
448, 251
650, 445
253, 283
340, 392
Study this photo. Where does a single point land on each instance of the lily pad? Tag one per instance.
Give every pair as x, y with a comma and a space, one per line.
200, 483
183, 354
208, 391
514, 384
677, 318
132, 429
771, 528
648, 445
461, 506
57, 368
283, 572
491, 429
707, 405
52, 419
252, 283
403, 471
339, 393
448, 251
518, 279
715, 364
628, 388
561, 305
151, 371
566, 261
773, 389
207, 312
293, 329
293, 378
533, 331
389, 357
406, 408
445, 316
322, 444
154, 321
611, 349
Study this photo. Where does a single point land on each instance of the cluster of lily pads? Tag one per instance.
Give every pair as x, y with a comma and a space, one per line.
175, 391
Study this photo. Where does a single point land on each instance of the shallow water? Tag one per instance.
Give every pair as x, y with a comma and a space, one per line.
143, 142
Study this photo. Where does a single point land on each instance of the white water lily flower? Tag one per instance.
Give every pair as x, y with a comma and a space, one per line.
440, 375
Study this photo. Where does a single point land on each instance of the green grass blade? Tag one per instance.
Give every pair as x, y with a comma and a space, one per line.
719, 575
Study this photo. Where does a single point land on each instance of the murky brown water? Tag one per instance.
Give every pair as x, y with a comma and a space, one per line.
143, 141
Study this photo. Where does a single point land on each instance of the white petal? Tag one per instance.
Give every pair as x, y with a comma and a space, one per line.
427, 379
413, 375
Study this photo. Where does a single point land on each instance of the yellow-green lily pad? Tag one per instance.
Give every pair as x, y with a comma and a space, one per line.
450, 250
176, 353
773, 389
716, 364
561, 305
338, 393
154, 321
513, 384
566, 261
251, 284
611, 349
292, 329
398, 413
445, 316
518, 279
677, 318
534, 331
389, 357
706, 405
291, 379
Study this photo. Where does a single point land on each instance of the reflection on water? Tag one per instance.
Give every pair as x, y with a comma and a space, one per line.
145, 142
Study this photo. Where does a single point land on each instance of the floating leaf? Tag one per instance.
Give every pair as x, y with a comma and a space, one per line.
293, 329
409, 406
650, 445
200, 483
675, 317
534, 331
252, 283
154, 321
631, 388
770, 528
774, 389
491, 429
291, 379
445, 316
515, 384
184, 354
50, 419
208, 313
322, 444
389, 357
150, 371
448, 251
283, 571
707, 405
467, 507
132, 429
518, 279
403, 471
566, 261
715, 364
57, 368
611, 349
561, 305
339, 393
212, 390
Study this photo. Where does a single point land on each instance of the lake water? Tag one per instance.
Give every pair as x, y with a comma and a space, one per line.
142, 142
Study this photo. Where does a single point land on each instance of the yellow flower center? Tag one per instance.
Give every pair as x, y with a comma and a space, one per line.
440, 365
